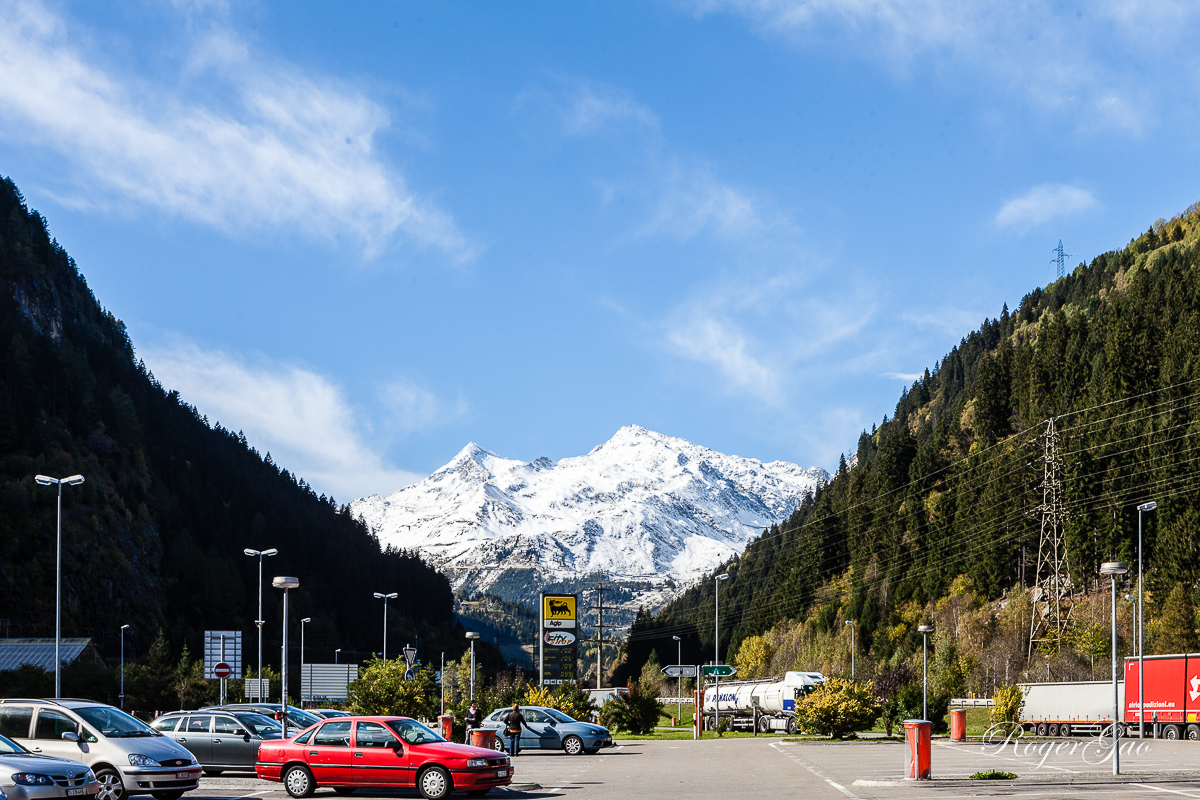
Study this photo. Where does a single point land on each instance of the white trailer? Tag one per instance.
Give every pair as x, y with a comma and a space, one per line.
769, 701
1066, 709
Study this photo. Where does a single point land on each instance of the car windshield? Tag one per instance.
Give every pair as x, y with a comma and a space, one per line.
414, 732
259, 724
114, 723
10, 748
558, 715
301, 718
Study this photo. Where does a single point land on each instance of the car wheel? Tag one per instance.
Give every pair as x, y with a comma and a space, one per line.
792, 727
435, 784
498, 743
1171, 732
1193, 732
1064, 730
111, 785
764, 724
212, 773
1042, 729
573, 745
166, 795
298, 781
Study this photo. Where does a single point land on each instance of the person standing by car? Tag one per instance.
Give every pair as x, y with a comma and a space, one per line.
474, 719
512, 729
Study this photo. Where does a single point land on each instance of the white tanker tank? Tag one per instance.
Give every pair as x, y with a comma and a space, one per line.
773, 698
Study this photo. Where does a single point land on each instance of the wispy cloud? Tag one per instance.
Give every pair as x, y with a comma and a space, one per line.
301, 417
901, 376
413, 408
693, 200
235, 140
1042, 204
722, 344
591, 107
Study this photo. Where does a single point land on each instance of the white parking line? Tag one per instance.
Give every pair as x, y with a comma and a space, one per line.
1164, 789
835, 785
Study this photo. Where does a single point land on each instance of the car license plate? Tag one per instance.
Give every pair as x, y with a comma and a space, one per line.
501, 773
76, 792
183, 776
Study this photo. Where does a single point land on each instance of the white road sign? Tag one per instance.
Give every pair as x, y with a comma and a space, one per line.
680, 671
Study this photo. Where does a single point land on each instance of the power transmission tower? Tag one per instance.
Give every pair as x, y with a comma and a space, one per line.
1060, 259
1052, 592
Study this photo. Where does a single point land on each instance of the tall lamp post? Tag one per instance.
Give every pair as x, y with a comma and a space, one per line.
46, 480
335, 655
385, 598
472, 636
925, 630
853, 625
679, 679
123, 627
287, 584
1112, 569
1149, 506
303, 622
262, 696
724, 576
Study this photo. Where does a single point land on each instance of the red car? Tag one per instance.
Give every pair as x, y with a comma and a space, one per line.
347, 753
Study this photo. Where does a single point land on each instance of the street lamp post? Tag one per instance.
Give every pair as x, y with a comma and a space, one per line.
303, 622
1112, 569
1150, 506
925, 630
335, 655
472, 636
853, 625
46, 480
678, 679
287, 584
123, 627
262, 696
724, 576
385, 598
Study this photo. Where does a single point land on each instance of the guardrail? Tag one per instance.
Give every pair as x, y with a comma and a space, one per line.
972, 702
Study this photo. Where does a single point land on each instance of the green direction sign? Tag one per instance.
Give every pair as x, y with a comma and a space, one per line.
718, 671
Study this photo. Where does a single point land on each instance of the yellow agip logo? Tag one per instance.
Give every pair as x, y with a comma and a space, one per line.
560, 607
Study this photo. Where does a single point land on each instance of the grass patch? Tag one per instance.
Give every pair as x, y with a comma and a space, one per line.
993, 775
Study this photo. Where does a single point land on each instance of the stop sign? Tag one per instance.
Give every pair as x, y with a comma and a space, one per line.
222, 670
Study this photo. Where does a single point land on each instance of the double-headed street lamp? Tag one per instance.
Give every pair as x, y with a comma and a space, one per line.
262, 696
1112, 569
123, 627
385, 598
925, 630
1150, 506
286, 583
853, 626
46, 480
472, 635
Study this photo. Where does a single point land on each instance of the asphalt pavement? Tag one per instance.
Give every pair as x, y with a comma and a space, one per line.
729, 769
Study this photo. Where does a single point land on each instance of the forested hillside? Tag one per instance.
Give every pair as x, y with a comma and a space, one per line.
154, 538
935, 517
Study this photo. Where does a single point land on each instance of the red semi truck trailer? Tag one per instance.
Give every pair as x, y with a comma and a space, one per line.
1172, 701
1172, 695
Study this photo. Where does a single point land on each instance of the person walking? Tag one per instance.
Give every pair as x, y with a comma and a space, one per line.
512, 728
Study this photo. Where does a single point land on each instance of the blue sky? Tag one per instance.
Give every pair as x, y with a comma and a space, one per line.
367, 233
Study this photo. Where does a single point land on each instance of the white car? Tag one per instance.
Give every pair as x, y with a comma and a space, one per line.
127, 756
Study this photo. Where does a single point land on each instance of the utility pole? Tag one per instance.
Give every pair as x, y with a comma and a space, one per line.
599, 633
1052, 592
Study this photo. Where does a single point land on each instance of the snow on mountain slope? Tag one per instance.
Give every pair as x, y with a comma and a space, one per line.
640, 506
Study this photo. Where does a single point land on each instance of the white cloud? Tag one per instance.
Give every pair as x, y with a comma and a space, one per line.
908, 377
592, 107
692, 200
286, 149
414, 408
1044, 203
299, 416
721, 343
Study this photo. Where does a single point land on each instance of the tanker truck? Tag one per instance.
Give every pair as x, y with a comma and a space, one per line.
772, 701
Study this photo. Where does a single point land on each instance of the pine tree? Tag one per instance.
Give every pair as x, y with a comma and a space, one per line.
1175, 629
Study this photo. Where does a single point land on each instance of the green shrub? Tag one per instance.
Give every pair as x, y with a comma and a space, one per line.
993, 775
838, 707
1007, 704
636, 712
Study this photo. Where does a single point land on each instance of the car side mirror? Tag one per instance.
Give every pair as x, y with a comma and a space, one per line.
246, 737
71, 736
397, 747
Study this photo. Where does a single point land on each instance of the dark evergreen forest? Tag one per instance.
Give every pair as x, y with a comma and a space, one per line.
154, 538
950, 484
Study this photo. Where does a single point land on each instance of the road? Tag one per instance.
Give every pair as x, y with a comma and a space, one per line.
731, 769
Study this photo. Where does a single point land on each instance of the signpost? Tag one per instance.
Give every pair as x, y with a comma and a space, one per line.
222, 648
558, 648
252, 689
680, 671
222, 670
716, 670
325, 682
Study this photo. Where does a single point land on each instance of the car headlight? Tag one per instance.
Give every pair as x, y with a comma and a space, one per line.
32, 779
138, 760
477, 762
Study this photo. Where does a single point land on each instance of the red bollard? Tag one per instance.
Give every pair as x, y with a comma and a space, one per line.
958, 724
918, 739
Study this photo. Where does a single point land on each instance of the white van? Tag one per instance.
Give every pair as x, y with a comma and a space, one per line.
127, 756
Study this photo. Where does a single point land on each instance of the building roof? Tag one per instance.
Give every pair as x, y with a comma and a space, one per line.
39, 652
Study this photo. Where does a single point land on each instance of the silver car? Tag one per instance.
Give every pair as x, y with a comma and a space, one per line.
26, 776
126, 755
220, 741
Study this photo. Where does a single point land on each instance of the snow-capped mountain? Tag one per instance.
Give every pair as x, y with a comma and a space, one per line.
642, 506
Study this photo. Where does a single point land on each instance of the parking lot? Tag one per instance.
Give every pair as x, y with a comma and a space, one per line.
744, 768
